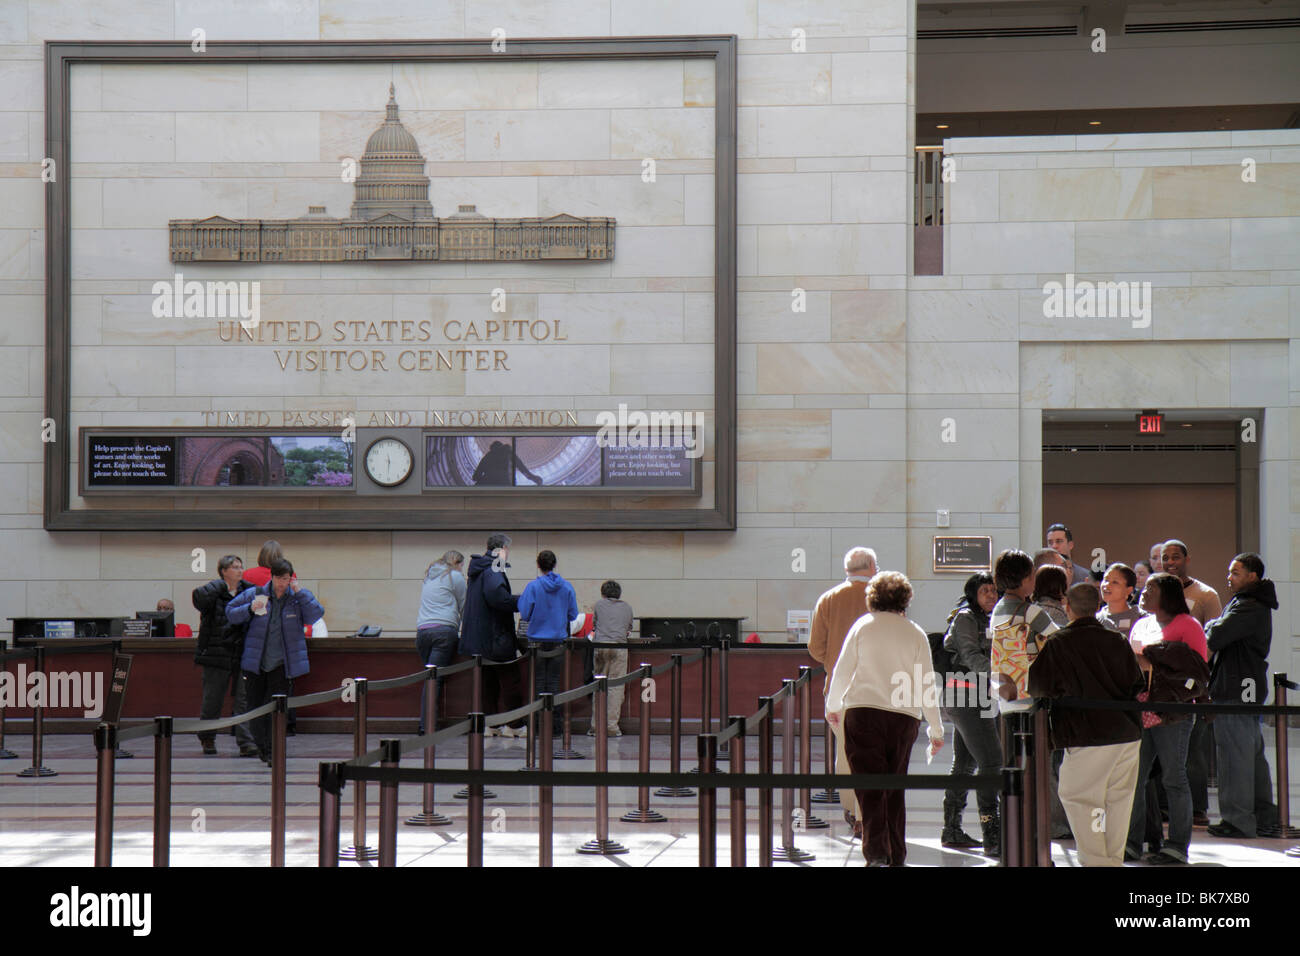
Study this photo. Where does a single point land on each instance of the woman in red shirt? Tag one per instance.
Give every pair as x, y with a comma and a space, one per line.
1168, 621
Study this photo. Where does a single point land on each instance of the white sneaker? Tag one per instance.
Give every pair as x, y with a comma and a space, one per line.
492, 732
514, 731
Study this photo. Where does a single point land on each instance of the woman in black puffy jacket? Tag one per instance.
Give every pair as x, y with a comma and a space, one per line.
218, 648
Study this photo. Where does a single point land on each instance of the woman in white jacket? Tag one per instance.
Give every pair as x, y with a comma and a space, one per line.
882, 684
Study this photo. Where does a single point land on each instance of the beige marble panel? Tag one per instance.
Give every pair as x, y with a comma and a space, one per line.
1045, 377
664, 251
784, 198
1259, 374
821, 249
496, 196
784, 79
125, 138
830, 486
23, 202
831, 18
759, 553
628, 554
440, 133
290, 199
609, 84
963, 485
21, 85
1169, 245
546, 370
669, 17
149, 203
13, 137
871, 197
775, 598
587, 317
248, 19
25, 318
868, 315
1217, 192
486, 85
20, 436
1265, 243
852, 368
777, 435
869, 77
122, 371
350, 603
239, 368
965, 315
1047, 195
13, 23
981, 434
534, 135
769, 317
629, 199
115, 254
660, 369
830, 130
536, 18
697, 82
1174, 374
466, 308
87, 203
974, 367
174, 86
34, 555
1221, 312
14, 371
247, 137
661, 134
129, 320
89, 598
76, 20
348, 20
868, 434
1012, 247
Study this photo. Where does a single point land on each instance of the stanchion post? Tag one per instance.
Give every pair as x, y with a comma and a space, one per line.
279, 775
327, 853
675, 730
162, 790
428, 815
530, 741
707, 753
568, 705
546, 793
737, 757
1042, 790
105, 754
1029, 796
5, 753
602, 845
474, 763
828, 794
787, 851
765, 792
358, 850
1013, 788
724, 696
1283, 828
390, 760
476, 707
805, 748
706, 691
643, 813
38, 768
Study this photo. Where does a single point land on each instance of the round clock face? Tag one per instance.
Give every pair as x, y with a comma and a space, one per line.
389, 462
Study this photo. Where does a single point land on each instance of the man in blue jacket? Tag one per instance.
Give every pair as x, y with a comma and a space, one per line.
549, 605
275, 647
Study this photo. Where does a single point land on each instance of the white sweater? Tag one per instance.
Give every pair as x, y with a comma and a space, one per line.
886, 664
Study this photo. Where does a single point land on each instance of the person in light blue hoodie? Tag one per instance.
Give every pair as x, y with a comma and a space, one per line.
549, 605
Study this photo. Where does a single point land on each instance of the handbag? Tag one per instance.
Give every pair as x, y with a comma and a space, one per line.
1149, 718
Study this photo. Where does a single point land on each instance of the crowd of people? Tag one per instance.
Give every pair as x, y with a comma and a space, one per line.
1037, 629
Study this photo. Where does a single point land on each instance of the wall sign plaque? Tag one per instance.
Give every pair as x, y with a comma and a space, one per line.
963, 553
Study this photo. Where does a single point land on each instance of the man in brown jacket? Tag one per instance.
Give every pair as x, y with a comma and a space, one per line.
836, 612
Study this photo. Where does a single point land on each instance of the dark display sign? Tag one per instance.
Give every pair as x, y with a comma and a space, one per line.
116, 461
628, 466
117, 687
954, 553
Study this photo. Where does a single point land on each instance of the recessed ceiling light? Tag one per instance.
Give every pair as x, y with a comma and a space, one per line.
941, 126
1094, 122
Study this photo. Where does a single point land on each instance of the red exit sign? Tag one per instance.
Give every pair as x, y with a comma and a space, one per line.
1151, 423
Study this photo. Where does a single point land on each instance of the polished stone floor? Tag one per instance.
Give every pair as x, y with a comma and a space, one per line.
220, 813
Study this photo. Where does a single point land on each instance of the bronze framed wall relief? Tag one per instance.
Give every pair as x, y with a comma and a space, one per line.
242, 327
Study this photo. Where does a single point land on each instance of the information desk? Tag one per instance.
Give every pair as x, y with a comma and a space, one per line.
165, 681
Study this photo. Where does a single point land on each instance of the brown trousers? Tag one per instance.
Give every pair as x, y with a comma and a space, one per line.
880, 741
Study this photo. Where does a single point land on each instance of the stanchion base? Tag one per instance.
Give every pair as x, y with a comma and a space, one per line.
826, 796
674, 792
643, 816
1278, 832
563, 754
7, 755
38, 772
464, 794
815, 823
359, 853
791, 854
428, 820
121, 754
602, 848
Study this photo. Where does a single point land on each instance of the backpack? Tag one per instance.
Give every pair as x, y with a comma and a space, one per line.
941, 659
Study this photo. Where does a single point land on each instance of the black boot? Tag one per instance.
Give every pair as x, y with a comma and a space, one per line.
952, 832
992, 834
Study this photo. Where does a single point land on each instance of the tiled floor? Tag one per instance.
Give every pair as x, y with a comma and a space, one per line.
220, 814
